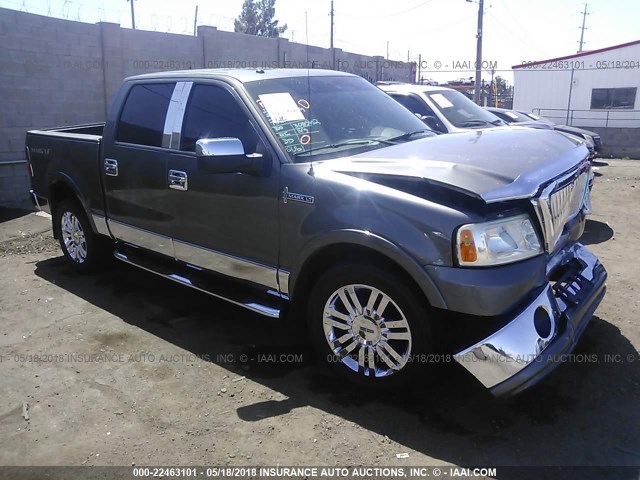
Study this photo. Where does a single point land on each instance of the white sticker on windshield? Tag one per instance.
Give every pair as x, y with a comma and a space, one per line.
511, 115
441, 100
281, 107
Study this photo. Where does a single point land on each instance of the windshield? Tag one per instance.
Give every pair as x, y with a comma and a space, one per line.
538, 118
516, 117
461, 111
341, 115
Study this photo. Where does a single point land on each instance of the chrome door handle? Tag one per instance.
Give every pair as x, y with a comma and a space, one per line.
111, 167
178, 180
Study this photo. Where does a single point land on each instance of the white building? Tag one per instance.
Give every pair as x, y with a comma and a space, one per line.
599, 88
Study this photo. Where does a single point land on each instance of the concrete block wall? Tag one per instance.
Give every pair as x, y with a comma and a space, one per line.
57, 72
14, 183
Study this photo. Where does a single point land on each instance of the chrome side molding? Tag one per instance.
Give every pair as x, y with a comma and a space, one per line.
226, 264
101, 224
201, 257
141, 238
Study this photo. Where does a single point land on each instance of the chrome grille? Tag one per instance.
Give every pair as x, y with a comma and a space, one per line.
559, 203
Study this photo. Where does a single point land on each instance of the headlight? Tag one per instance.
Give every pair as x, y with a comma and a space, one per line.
589, 140
498, 242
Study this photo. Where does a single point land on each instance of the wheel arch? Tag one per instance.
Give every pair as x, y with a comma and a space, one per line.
355, 245
62, 187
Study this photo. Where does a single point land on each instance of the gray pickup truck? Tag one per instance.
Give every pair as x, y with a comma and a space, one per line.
314, 196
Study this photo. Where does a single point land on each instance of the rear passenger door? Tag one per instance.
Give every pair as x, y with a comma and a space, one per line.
134, 169
228, 221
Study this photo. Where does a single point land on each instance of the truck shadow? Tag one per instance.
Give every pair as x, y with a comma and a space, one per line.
596, 232
453, 418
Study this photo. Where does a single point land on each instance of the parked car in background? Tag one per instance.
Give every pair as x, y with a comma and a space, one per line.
587, 135
514, 117
442, 109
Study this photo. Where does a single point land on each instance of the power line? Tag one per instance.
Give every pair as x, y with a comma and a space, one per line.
380, 17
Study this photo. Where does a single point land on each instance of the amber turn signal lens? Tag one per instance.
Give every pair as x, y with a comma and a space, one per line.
468, 252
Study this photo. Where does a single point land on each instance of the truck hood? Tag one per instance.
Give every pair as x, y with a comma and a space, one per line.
494, 164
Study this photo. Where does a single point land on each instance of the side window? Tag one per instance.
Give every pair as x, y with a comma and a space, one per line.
143, 115
213, 112
609, 98
414, 105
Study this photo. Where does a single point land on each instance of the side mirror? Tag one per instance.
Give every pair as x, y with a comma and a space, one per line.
431, 122
226, 155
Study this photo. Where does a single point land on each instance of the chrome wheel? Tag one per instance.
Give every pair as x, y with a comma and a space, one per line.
367, 331
73, 237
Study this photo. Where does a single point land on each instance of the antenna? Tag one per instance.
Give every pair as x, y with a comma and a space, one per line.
306, 27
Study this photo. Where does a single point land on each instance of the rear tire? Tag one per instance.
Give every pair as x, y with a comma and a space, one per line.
369, 325
83, 249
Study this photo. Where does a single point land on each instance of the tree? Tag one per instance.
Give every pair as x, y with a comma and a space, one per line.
256, 18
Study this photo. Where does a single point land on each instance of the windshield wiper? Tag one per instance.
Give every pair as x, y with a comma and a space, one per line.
476, 121
354, 142
405, 136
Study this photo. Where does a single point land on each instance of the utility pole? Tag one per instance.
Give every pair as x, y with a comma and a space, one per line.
583, 28
493, 97
195, 22
419, 80
333, 52
476, 90
387, 49
133, 16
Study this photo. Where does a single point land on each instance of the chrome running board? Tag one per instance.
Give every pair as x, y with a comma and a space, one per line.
267, 303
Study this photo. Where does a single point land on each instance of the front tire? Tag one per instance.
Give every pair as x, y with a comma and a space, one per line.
369, 325
82, 248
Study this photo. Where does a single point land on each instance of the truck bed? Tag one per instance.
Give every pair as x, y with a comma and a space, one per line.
74, 131
71, 153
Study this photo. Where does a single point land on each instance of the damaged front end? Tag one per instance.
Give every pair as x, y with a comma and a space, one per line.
537, 339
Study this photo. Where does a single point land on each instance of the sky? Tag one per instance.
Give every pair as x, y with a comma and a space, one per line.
444, 31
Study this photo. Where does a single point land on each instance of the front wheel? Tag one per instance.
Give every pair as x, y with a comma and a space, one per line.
81, 247
369, 325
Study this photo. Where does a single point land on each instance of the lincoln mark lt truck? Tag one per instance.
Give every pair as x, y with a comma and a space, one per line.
312, 195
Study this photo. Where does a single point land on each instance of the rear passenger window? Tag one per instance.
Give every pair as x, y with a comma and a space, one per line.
143, 115
213, 112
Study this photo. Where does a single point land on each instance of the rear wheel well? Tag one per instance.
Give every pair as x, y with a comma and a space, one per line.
59, 192
336, 254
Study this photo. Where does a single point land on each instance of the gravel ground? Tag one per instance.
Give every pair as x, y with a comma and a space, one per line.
124, 368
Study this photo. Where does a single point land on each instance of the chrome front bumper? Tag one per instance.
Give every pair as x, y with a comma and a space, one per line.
532, 344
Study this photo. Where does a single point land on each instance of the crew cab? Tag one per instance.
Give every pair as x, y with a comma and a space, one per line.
312, 196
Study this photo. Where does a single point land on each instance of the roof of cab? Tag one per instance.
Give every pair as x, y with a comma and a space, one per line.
240, 74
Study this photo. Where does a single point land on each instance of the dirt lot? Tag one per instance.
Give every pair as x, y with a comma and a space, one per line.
183, 379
